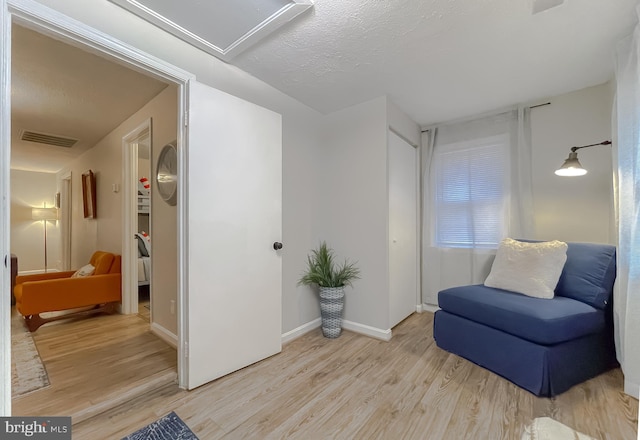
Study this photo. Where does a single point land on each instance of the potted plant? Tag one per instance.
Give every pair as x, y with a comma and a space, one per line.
331, 278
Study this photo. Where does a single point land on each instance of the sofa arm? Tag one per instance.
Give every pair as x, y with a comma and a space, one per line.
43, 276
68, 293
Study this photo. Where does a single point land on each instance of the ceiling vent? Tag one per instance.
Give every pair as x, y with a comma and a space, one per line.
49, 139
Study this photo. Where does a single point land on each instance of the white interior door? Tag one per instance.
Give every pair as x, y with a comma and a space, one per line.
234, 206
403, 229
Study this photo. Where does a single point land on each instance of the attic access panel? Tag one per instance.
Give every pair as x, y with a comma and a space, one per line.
222, 28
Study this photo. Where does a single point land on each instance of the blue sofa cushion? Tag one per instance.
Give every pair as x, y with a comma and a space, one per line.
588, 274
543, 321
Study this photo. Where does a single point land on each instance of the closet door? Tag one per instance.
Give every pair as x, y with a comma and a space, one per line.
234, 206
403, 229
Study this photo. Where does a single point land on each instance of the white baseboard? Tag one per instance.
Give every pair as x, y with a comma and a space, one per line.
632, 389
373, 332
299, 331
377, 333
430, 308
164, 334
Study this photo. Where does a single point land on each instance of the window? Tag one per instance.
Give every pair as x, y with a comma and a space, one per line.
470, 197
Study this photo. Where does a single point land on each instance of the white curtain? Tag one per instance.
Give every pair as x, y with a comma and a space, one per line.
444, 267
627, 175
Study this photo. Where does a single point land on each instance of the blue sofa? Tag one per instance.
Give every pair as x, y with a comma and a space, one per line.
542, 345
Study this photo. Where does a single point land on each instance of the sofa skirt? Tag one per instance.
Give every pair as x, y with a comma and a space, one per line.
543, 370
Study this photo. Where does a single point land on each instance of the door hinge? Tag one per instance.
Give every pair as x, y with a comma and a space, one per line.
186, 349
186, 118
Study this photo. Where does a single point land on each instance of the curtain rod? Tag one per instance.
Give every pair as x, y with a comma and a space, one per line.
540, 105
488, 114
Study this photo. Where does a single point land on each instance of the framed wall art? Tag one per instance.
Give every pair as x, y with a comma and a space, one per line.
89, 194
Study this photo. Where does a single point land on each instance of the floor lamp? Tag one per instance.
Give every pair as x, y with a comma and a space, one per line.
45, 214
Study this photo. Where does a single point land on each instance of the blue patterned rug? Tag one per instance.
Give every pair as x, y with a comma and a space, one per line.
169, 427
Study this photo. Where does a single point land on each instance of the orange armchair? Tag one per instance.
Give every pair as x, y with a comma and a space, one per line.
56, 291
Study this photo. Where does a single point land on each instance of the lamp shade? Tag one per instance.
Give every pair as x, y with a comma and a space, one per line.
571, 167
44, 213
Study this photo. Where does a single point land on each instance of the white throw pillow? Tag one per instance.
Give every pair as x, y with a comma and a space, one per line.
532, 269
84, 271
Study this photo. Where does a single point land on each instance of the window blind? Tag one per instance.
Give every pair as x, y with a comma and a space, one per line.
470, 181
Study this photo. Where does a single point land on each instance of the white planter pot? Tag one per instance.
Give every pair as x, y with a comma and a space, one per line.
331, 307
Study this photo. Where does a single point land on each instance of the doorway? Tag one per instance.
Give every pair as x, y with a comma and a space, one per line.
239, 145
143, 239
145, 342
136, 240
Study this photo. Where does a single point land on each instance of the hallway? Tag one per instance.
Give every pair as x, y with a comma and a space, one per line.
95, 364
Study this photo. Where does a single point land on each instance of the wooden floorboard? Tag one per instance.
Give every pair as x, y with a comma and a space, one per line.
355, 387
96, 363
144, 308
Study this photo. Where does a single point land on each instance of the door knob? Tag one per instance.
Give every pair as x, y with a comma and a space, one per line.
277, 246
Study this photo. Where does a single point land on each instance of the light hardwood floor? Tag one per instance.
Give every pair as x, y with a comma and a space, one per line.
96, 363
355, 387
144, 303
144, 310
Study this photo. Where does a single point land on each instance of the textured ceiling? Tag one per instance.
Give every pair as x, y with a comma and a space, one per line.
440, 59
62, 90
437, 59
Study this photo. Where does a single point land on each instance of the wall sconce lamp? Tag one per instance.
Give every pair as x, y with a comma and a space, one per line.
44, 214
571, 167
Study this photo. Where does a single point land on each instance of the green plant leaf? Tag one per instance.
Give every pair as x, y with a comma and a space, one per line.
322, 271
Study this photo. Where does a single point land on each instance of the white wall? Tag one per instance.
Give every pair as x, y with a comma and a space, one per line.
31, 190
573, 208
84, 232
352, 204
300, 128
105, 160
402, 124
104, 232
352, 211
164, 218
301, 153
